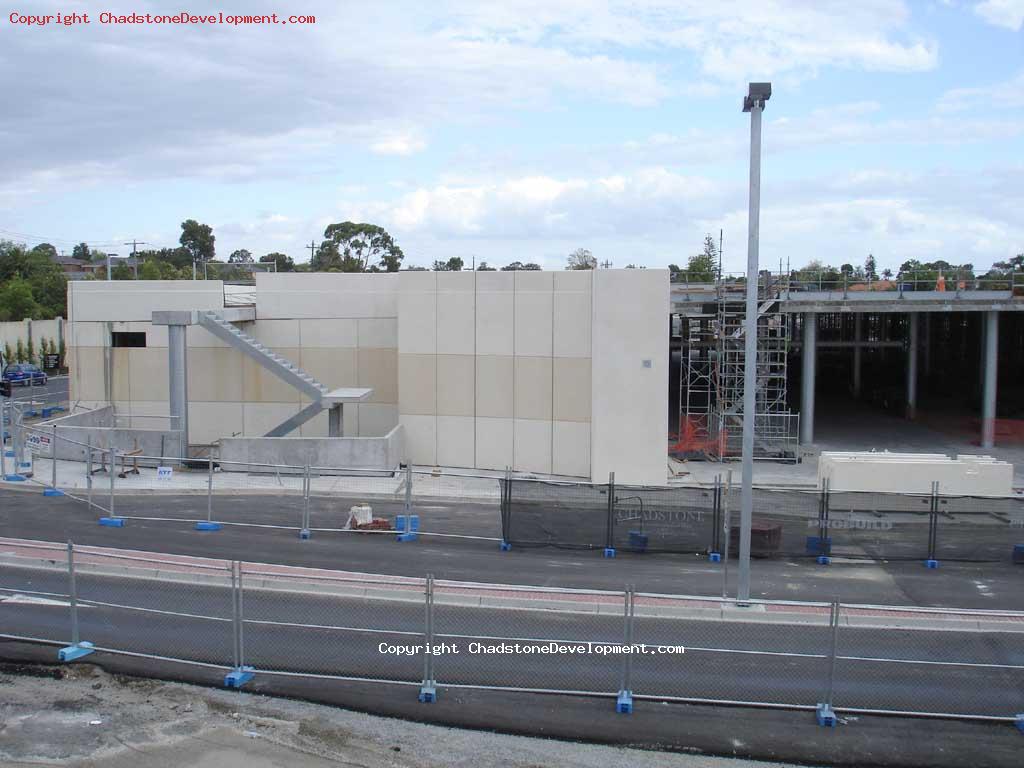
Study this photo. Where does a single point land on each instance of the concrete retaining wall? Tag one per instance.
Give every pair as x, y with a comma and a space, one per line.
252, 454
96, 428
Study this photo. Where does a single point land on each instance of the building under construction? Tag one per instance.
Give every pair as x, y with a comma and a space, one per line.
862, 357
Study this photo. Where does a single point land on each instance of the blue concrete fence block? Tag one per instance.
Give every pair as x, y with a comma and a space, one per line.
52, 492
428, 693
238, 677
819, 545
112, 522
715, 557
931, 563
609, 552
203, 525
73, 652
1018, 553
825, 716
624, 703
638, 541
506, 547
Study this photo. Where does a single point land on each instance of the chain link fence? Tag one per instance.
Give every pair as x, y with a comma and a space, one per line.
410, 502
255, 619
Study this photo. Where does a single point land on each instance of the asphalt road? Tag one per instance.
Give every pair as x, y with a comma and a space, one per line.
27, 514
294, 631
56, 388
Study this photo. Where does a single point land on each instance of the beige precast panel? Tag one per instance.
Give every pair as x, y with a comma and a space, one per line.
417, 384
532, 450
570, 448
456, 436
298, 295
495, 386
533, 385
495, 306
494, 442
377, 368
456, 313
533, 313
420, 438
455, 386
136, 300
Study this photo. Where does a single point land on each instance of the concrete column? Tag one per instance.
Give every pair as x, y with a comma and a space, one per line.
807, 385
991, 366
858, 321
177, 369
912, 334
336, 421
926, 346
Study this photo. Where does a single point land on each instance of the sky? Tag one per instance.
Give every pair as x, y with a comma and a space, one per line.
522, 130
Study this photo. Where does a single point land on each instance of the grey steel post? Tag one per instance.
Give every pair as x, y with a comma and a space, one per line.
808, 374
177, 357
991, 367
727, 533
912, 335
73, 594
407, 504
629, 611
235, 646
209, 490
754, 103
113, 458
834, 623
428, 629
305, 500
609, 527
88, 473
53, 457
240, 621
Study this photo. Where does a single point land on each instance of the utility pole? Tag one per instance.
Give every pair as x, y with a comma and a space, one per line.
754, 103
312, 250
719, 255
606, 264
135, 259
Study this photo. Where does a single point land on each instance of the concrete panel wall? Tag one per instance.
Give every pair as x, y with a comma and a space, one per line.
489, 362
342, 329
36, 330
629, 393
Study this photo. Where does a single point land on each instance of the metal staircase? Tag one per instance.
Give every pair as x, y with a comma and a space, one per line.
277, 365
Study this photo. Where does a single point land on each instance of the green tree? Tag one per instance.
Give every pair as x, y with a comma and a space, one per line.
581, 258
701, 268
81, 251
198, 239
518, 265
17, 302
241, 256
30, 351
454, 264
8, 353
122, 272
483, 267
282, 262
19, 352
362, 248
45, 249
870, 268
150, 270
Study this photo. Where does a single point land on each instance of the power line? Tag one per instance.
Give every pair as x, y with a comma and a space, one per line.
52, 240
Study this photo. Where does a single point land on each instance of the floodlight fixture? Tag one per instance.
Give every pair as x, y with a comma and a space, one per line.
758, 94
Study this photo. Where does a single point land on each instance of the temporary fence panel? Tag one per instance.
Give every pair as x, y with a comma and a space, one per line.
526, 637
708, 649
930, 661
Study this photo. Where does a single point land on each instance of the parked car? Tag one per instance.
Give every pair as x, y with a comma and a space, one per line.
24, 374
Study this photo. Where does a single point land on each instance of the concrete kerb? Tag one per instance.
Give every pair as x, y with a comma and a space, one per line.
413, 594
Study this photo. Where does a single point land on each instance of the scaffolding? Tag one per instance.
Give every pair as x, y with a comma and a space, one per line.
712, 376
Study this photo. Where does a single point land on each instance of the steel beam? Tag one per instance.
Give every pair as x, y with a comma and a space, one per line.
912, 336
177, 370
858, 322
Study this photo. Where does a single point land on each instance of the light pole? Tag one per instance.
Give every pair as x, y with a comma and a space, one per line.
754, 103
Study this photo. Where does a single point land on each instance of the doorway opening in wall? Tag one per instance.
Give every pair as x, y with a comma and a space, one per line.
128, 339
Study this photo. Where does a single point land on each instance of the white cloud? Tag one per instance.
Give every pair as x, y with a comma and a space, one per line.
1005, 95
1002, 13
398, 144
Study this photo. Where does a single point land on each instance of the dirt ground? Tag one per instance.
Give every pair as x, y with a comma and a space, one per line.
82, 716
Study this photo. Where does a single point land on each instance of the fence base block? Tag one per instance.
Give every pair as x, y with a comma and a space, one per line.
819, 545
825, 716
112, 522
428, 692
506, 547
304, 534
14, 478
202, 525
407, 537
824, 560
73, 652
52, 492
609, 551
624, 703
931, 563
236, 678
1018, 553
714, 557
1020, 722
